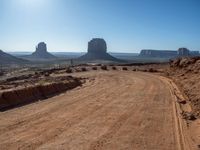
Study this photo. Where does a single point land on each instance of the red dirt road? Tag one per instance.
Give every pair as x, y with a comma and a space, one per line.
113, 111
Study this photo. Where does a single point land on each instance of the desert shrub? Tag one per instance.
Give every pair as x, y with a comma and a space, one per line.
144, 70
152, 70
167, 74
1, 73
188, 115
104, 67
124, 68
77, 70
83, 69
46, 74
94, 68
69, 70
114, 68
69, 77
134, 69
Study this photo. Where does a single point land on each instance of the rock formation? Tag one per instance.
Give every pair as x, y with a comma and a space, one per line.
41, 49
41, 53
158, 53
183, 52
9, 59
168, 53
97, 50
97, 46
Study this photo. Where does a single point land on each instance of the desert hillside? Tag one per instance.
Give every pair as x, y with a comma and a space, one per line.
9, 59
186, 74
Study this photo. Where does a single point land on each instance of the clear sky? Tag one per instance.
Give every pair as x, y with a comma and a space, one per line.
126, 25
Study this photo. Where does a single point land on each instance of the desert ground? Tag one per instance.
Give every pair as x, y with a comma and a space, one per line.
113, 110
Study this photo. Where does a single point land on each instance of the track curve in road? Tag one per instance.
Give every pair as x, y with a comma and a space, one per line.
113, 110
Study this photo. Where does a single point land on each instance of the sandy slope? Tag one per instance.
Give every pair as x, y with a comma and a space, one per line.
113, 110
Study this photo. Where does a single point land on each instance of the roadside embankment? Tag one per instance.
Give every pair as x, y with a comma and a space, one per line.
22, 95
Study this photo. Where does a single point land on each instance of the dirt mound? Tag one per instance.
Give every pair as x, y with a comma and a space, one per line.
186, 74
185, 62
13, 97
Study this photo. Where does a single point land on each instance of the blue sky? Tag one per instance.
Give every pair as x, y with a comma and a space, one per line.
126, 25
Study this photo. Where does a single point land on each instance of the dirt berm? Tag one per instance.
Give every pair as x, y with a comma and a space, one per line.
186, 74
15, 97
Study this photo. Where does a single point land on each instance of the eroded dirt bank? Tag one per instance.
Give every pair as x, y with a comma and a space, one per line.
13, 97
186, 74
113, 110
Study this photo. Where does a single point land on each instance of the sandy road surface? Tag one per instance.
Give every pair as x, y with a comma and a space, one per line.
113, 110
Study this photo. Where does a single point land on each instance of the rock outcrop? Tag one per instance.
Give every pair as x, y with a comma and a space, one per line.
41, 53
97, 50
9, 59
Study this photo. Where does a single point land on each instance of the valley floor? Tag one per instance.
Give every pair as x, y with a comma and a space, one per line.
113, 110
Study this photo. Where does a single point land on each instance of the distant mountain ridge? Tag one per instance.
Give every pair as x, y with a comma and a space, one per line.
6, 58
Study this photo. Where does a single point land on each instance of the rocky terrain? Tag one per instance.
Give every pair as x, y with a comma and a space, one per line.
186, 74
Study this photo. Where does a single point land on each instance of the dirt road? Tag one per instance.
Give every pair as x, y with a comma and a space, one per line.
112, 110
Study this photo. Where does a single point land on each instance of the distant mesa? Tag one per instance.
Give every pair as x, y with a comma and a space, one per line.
157, 53
41, 53
97, 50
9, 59
97, 45
183, 52
168, 53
